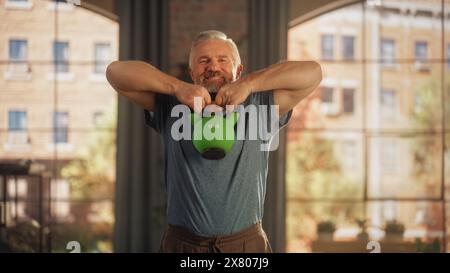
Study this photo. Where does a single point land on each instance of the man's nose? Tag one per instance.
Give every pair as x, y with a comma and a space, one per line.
213, 66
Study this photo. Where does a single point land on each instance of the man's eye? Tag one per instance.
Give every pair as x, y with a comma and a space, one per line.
203, 61
223, 60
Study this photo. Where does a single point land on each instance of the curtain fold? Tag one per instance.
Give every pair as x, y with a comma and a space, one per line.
268, 25
140, 195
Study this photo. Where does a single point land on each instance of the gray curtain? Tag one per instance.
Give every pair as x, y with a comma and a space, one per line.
268, 22
140, 196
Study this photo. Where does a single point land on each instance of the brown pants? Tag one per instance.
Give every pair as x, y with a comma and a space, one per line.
250, 240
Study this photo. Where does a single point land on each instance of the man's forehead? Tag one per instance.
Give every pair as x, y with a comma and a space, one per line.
213, 48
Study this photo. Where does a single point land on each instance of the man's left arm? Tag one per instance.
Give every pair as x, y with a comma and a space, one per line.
291, 81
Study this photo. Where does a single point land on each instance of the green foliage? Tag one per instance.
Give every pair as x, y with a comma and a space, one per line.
92, 174
326, 227
394, 227
433, 247
314, 172
428, 116
362, 224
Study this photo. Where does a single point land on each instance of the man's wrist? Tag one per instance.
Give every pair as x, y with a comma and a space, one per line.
249, 82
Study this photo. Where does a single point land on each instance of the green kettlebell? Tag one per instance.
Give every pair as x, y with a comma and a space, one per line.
214, 136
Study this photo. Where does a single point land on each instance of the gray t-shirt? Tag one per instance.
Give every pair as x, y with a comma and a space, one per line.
214, 197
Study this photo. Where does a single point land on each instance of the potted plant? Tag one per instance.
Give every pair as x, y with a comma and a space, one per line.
424, 247
362, 235
394, 231
325, 230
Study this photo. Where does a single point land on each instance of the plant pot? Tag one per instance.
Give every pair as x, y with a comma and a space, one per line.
363, 236
325, 236
394, 237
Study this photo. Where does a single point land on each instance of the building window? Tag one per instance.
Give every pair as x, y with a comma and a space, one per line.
349, 154
328, 106
61, 56
18, 56
102, 57
18, 4
417, 103
388, 103
387, 51
17, 128
421, 51
326, 94
348, 47
18, 50
61, 127
17, 121
97, 118
388, 156
348, 100
327, 45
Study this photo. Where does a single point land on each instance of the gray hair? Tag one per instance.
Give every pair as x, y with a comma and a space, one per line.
215, 35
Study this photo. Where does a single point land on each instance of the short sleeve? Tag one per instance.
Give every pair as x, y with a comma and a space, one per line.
267, 98
157, 118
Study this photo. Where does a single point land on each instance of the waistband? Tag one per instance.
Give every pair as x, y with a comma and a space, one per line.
190, 237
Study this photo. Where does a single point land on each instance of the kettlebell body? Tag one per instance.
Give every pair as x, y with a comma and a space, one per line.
213, 137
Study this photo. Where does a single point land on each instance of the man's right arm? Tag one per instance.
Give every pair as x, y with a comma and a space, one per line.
140, 81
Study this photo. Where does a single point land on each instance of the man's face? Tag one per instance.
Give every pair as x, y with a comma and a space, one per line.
212, 64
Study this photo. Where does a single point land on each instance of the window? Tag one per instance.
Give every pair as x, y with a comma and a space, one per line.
349, 154
17, 121
327, 42
421, 51
326, 94
97, 119
396, 152
61, 56
387, 53
388, 157
348, 100
18, 50
18, 4
348, 47
17, 128
388, 104
102, 57
60, 125
18, 66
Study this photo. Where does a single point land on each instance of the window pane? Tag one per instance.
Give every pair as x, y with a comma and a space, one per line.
348, 100
17, 50
421, 51
348, 44
421, 220
398, 24
328, 107
405, 167
327, 42
315, 39
404, 97
17, 120
324, 165
61, 124
387, 54
61, 56
326, 94
102, 57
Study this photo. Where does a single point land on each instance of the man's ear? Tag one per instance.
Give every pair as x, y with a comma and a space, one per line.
191, 74
239, 70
